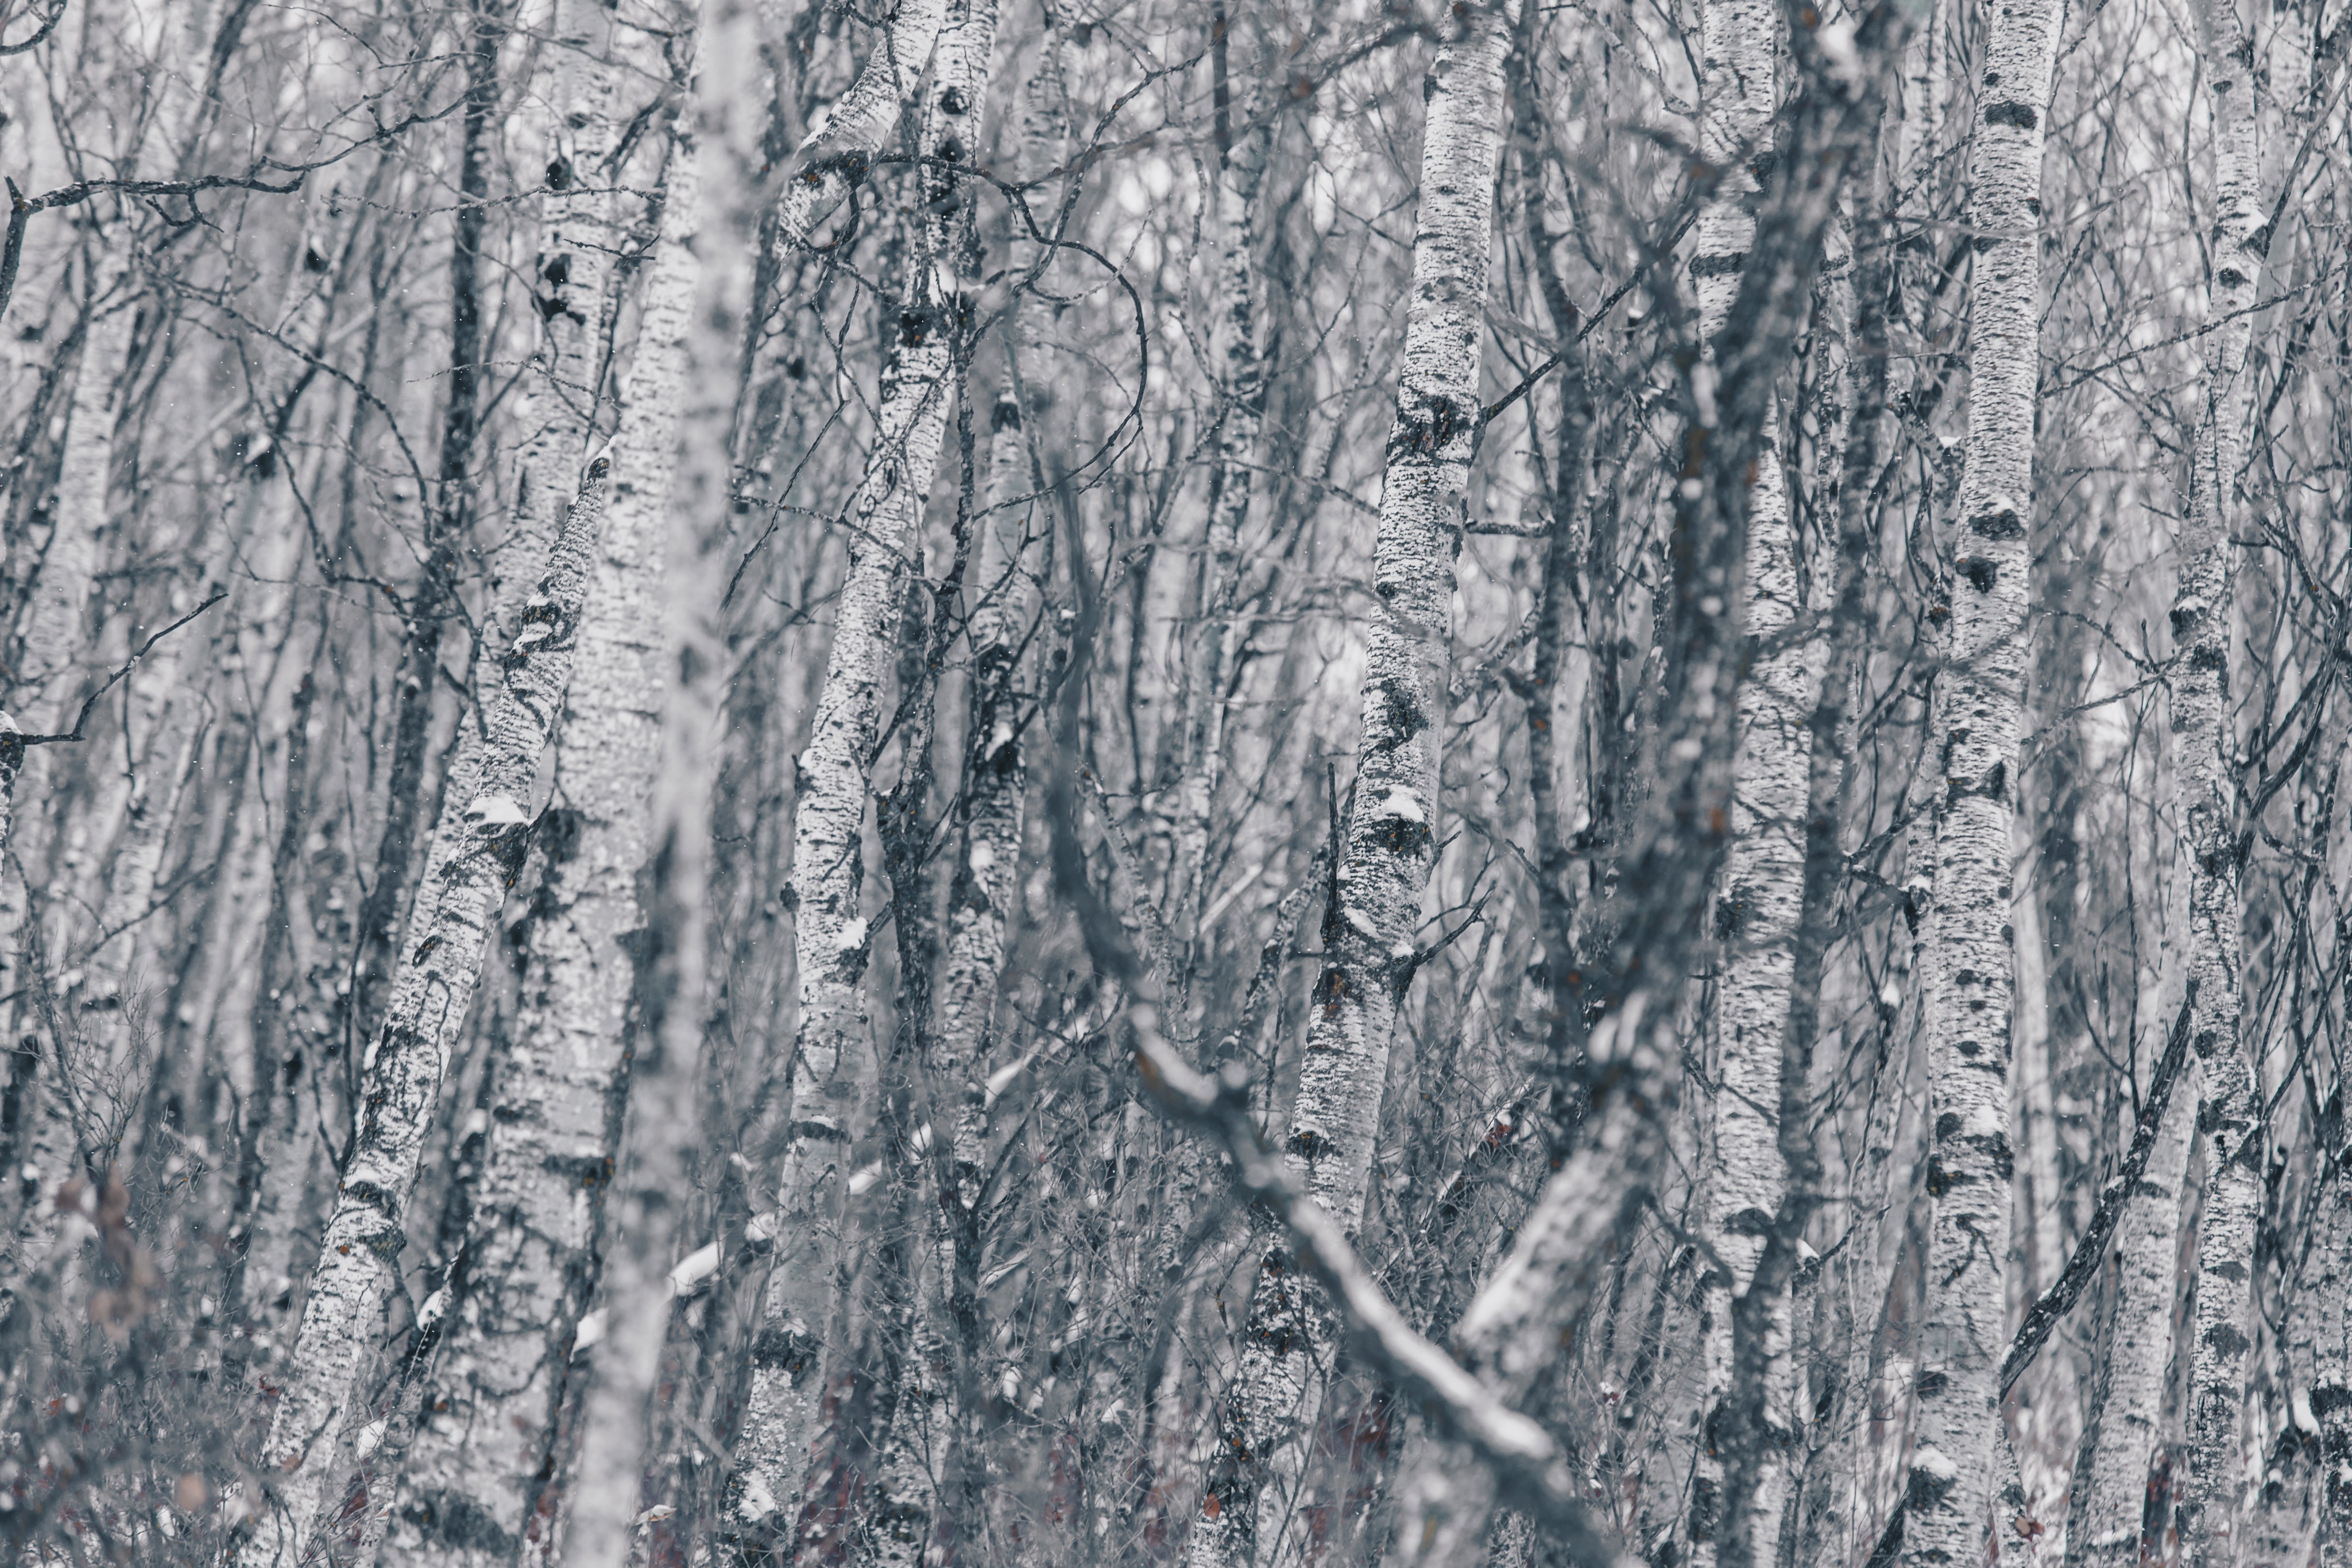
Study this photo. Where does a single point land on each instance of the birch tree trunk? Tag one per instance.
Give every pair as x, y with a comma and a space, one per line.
485, 1471
1755, 909
449, 515
995, 792
55, 642
642, 1242
1969, 978
832, 164
834, 776
2290, 1502
2231, 1113
906, 1514
482, 842
1251, 1514
1851, 1298
1241, 391
2111, 1501
2331, 1397
57, 639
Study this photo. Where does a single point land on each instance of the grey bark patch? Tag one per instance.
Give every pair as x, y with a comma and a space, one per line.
2226, 1340
453, 1521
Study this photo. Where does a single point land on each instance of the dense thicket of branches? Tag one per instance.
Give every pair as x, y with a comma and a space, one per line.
1035, 783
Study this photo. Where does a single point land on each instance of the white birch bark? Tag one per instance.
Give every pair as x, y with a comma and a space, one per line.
1979, 710
907, 1505
2045, 1431
479, 842
1757, 908
55, 636
476, 1487
995, 787
1926, 98
832, 164
2103, 1525
649, 1195
2330, 1396
834, 776
2290, 1502
1250, 1513
57, 641
1234, 358
600, 58
2230, 1116
996, 782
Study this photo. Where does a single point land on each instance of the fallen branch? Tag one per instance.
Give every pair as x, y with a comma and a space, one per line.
1530, 1470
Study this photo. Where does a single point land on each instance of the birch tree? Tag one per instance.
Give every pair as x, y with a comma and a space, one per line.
2229, 1111
1878, 626
1250, 1513
485, 839
1756, 911
831, 932
494, 1402
1979, 703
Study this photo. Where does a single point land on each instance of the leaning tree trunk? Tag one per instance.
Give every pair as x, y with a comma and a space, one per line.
1978, 707
1756, 906
484, 1470
1251, 1512
2230, 1112
834, 776
480, 846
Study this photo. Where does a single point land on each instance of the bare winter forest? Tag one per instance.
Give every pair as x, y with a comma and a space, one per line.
1050, 783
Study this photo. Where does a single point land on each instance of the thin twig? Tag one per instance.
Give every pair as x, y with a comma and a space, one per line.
90, 704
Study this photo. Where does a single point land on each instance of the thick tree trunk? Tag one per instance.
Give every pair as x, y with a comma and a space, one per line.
2230, 1113
482, 841
1974, 759
1251, 1513
485, 1470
